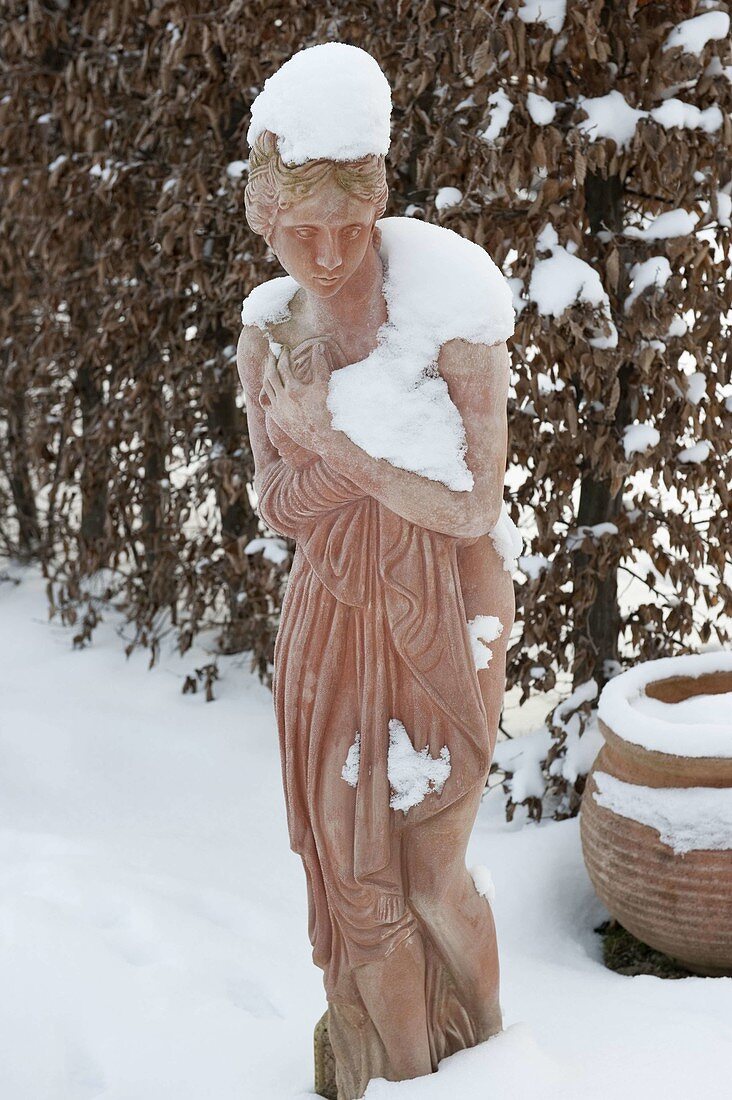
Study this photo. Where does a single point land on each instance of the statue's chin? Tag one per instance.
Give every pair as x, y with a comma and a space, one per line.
326, 288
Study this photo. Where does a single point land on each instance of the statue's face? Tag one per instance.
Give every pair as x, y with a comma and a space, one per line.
323, 240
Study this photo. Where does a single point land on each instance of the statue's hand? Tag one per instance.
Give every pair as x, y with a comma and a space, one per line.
297, 405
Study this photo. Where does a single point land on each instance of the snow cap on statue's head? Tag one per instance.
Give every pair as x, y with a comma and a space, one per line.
329, 102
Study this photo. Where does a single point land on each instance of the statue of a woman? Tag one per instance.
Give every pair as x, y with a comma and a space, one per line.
386, 692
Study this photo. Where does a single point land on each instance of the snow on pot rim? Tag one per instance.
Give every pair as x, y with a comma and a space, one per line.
698, 725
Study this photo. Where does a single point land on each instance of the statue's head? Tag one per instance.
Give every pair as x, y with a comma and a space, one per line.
317, 177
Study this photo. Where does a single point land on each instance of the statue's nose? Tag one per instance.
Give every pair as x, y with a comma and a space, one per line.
329, 256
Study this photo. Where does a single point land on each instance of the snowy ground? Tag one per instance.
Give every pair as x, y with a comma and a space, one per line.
153, 932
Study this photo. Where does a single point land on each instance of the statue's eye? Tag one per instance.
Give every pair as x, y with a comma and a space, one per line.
353, 231
305, 232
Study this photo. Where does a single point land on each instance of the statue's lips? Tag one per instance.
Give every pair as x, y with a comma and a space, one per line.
327, 279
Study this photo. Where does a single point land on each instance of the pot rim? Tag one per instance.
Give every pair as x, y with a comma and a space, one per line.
653, 736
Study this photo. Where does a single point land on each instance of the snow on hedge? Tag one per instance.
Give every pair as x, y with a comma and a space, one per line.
675, 113
655, 271
551, 12
696, 387
696, 454
691, 728
447, 197
328, 101
639, 438
693, 34
672, 223
563, 279
678, 327
541, 109
533, 565
594, 531
501, 107
271, 549
724, 209
686, 818
611, 116
523, 757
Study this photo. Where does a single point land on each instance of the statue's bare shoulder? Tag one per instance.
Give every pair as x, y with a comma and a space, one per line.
461, 357
251, 352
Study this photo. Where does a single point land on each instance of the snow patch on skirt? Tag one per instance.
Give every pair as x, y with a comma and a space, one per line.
412, 774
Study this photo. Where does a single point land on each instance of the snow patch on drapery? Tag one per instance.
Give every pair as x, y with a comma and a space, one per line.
330, 101
413, 774
350, 769
686, 818
483, 629
483, 882
507, 540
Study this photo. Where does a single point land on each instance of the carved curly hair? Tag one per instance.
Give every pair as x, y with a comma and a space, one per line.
274, 185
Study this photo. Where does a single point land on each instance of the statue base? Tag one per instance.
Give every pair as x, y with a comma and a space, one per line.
325, 1070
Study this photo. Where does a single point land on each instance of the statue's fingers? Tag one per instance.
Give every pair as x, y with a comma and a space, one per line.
284, 367
267, 394
320, 367
270, 366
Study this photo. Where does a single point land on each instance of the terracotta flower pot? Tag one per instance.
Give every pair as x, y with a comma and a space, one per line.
656, 821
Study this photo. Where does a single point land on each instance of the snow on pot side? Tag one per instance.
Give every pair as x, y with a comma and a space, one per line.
656, 821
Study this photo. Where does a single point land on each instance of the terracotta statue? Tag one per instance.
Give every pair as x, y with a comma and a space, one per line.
386, 693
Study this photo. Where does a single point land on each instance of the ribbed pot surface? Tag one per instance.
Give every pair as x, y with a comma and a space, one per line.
680, 904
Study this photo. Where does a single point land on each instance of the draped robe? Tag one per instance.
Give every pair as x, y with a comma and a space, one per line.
373, 628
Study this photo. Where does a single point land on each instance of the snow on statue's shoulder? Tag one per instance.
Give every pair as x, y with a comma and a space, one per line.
443, 285
394, 404
269, 303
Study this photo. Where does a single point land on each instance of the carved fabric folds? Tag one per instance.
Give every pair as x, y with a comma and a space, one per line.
373, 627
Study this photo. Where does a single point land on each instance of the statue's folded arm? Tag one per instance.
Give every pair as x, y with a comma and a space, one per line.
292, 496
